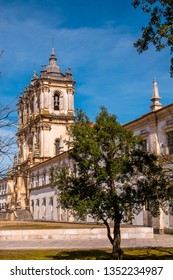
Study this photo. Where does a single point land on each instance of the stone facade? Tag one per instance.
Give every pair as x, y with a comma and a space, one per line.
43, 198
45, 112
156, 128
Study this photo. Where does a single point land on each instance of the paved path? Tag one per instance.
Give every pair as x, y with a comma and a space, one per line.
158, 241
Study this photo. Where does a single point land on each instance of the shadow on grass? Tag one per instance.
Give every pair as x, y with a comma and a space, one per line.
82, 255
96, 254
129, 254
149, 254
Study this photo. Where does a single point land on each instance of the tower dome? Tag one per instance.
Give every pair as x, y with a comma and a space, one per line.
53, 68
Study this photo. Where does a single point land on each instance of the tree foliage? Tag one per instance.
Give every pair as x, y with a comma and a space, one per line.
114, 178
159, 30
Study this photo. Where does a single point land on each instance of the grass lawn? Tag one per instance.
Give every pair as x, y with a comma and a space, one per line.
82, 254
15, 225
129, 254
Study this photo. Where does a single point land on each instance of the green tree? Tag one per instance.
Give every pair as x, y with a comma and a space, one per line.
114, 177
159, 30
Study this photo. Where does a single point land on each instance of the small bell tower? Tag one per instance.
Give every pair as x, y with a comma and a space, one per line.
155, 97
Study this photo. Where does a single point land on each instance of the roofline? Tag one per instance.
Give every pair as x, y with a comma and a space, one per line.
149, 114
50, 159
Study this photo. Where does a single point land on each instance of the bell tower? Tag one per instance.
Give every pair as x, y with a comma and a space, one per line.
45, 111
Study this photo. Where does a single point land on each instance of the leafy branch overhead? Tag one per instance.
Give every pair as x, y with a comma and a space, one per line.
159, 30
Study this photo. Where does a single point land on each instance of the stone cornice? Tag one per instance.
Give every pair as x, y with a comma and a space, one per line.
168, 127
44, 118
151, 117
50, 161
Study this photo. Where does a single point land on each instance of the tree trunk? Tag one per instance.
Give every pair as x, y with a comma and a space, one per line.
117, 252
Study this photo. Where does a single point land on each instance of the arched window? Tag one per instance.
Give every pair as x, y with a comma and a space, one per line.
56, 101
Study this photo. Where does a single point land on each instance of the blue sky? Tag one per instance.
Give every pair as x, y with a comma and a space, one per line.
95, 38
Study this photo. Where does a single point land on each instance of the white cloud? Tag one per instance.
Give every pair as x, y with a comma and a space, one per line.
106, 67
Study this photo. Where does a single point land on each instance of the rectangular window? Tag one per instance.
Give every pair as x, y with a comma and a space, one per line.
32, 106
144, 145
32, 206
32, 182
75, 169
170, 142
37, 180
57, 145
44, 178
22, 112
38, 102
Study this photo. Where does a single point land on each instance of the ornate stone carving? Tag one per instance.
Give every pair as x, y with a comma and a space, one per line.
45, 126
